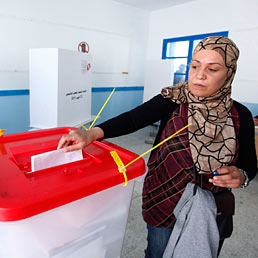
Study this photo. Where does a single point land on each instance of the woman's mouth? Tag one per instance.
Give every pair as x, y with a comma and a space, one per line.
197, 85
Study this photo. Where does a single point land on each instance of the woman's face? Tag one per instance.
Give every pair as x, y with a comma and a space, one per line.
207, 73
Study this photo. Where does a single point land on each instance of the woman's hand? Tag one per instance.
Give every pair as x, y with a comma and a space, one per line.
228, 177
78, 139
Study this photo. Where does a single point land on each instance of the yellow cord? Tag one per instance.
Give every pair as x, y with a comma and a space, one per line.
102, 108
120, 165
2, 132
84, 127
171, 136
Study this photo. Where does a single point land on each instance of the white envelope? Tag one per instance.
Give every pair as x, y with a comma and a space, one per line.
54, 158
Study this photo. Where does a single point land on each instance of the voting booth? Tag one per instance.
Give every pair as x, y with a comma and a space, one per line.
60, 87
74, 210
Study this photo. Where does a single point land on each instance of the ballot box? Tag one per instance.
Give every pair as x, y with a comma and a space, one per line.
74, 210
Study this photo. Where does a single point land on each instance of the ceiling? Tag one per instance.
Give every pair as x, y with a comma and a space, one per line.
152, 5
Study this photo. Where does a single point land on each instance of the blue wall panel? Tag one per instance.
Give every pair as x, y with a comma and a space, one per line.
14, 113
122, 100
14, 106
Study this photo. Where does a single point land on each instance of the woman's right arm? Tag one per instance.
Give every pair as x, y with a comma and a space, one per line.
128, 122
78, 139
137, 118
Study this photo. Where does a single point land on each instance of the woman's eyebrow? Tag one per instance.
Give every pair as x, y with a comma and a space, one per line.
211, 63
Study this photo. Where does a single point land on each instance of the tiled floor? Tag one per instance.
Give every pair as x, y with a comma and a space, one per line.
244, 240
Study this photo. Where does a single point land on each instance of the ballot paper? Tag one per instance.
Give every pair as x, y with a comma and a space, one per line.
54, 158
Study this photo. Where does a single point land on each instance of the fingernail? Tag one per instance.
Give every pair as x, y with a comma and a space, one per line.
215, 173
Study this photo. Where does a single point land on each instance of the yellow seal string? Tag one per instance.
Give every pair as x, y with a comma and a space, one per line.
122, 168
102, 108
86, 129
2, 132
120, 165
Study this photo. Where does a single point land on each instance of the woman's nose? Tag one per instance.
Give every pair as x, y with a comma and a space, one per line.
201, 74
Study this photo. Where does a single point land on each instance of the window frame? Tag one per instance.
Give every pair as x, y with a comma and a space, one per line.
191, 40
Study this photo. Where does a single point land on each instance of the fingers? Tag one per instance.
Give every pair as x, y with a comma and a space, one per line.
61, 142
228, 177
66, 140
75, 140
73, 137
73, 147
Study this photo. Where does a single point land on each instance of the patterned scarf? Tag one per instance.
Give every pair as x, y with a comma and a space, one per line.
212, 134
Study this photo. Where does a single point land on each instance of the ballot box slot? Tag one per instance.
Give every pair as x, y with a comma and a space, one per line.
76, 167
21, 157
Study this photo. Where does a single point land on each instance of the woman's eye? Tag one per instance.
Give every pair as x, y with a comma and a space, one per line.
212, 70
194, 67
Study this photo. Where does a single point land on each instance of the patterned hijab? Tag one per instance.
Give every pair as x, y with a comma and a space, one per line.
212, 135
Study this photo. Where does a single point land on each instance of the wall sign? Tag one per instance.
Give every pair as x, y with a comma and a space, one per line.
84, 47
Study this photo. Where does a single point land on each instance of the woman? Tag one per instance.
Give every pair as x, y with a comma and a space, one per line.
220, 137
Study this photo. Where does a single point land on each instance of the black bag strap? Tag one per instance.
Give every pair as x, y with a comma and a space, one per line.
198, 180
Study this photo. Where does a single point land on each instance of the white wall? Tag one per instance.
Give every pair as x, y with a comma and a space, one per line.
202, 16
116, 33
